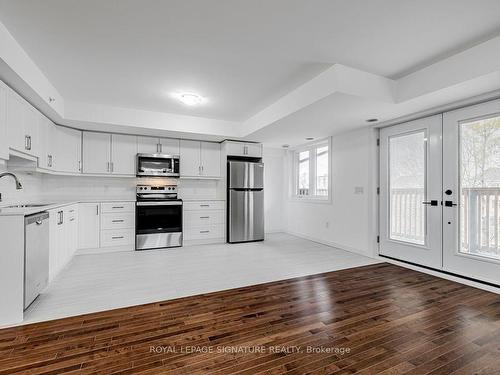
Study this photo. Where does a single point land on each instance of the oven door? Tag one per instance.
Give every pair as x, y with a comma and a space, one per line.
158, 224
157, 165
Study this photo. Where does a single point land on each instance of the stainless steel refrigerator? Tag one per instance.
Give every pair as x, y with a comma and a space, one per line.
245, 201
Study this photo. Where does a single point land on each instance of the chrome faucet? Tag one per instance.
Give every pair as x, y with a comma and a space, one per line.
19, 186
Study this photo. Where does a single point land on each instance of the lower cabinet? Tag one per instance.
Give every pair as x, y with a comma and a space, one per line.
63, 230
204, 222
88, 225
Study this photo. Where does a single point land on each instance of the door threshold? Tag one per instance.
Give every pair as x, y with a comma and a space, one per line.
494, 288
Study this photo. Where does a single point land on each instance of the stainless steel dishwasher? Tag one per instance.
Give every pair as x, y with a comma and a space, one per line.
36, 255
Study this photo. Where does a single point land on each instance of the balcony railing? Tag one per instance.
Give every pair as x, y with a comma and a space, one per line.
479, 219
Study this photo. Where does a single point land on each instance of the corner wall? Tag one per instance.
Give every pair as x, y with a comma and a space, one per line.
274, 186
350, 220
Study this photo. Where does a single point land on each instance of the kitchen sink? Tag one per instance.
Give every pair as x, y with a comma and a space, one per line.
29, 205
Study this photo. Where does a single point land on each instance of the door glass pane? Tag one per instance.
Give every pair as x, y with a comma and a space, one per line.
322, 171
480, 187
407, 167
303, 178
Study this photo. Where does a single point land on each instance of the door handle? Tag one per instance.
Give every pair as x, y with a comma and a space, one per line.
431, 203
449, 204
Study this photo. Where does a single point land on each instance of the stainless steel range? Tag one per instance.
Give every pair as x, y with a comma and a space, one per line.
158, 217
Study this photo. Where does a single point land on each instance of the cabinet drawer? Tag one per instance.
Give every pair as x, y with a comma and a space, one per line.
117, 220
118, 207
121, 237
206, 232
203, 218
204, 205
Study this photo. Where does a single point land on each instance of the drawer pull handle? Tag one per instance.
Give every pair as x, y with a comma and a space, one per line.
204, 231
204, 217
204, 205
117, 207
117, 221
116, 237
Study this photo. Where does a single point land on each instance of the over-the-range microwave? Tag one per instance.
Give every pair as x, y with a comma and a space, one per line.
158, 165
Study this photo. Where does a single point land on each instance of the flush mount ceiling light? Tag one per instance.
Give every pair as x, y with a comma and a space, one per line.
372, 120
285, 146
309, 138
189, 98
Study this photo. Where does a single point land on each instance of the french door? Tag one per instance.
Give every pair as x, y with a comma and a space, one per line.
440, 192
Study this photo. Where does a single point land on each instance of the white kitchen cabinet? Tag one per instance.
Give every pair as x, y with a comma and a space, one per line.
199, 159
4, 146
96, 153
105, 153
169, 146
204, 221
253, 150
153, 145
63, 227
190, 158
210, 159
22, 124
123, 154
67, 149
88, 225
148, 145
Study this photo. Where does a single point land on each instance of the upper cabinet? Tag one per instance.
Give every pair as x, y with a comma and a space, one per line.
253, 150
105, 153
66, 151
47, 144
22, 124
199, 159
123, 154
4, 145
150, 145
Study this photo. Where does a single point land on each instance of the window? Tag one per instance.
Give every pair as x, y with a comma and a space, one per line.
312, 166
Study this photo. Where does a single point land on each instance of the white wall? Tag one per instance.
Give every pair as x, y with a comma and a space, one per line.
274, 186
349, 221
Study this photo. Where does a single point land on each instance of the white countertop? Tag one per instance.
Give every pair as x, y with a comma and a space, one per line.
49, 205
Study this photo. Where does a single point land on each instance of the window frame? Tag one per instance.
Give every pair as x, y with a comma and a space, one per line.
294, 186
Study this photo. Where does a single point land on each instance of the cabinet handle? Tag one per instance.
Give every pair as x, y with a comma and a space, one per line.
204, 217
79, 165
112, 167
29, 142
26, 142
116, 237
117, 207
204, 231
204, 205
48, 160
97, 210
117, 221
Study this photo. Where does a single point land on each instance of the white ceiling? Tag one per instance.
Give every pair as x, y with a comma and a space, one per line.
241, 55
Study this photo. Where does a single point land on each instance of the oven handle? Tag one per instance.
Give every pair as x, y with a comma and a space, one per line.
163, 203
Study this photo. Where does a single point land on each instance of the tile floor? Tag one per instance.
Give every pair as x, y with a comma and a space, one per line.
98, 282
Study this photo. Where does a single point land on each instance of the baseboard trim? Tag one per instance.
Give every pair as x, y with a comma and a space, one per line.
444, 275
331, 244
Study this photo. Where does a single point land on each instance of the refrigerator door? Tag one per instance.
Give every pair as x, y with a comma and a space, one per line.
246, 175
246, 215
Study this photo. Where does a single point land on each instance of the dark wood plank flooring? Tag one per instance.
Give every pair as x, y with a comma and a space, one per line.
378, 319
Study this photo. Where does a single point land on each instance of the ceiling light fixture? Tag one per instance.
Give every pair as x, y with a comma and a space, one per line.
372, 120
309, 138
188, 98
285, 146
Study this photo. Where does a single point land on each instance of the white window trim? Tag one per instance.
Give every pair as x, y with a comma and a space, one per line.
293, 197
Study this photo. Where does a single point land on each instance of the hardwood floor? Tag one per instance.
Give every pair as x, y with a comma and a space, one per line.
378, 319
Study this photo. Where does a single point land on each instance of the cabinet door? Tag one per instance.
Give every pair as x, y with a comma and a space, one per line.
96, 153
190, 158
68, 142
71, 231
169, 146
4, 146
148, 145
253, 150
15, 122
210, 159
52, 147
88, 225
123, 154
43, 142
31, 128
